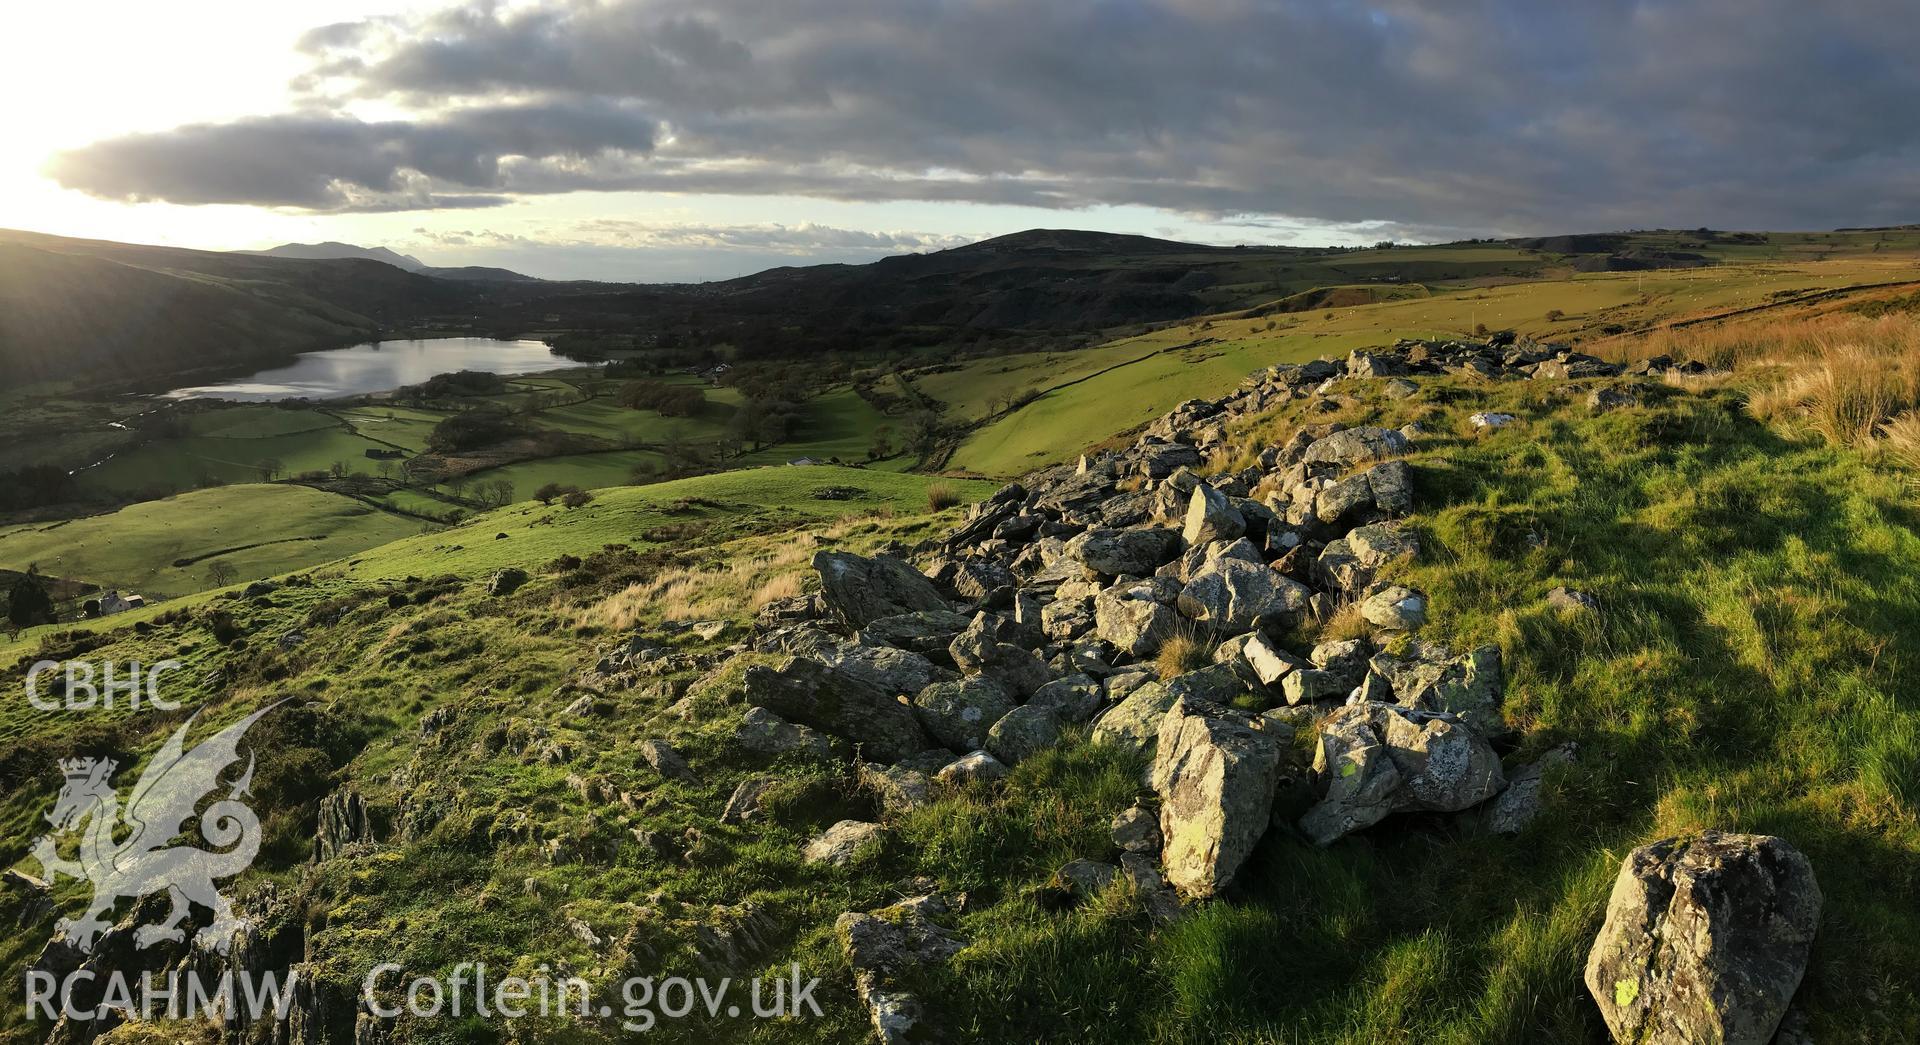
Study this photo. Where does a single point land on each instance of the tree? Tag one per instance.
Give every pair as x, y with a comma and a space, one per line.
337, 469
28, 603
221, 573
577, 498
385, 468
270, 468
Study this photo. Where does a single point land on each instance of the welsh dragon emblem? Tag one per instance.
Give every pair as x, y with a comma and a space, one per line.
166, 797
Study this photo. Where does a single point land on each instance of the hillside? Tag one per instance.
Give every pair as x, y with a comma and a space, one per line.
1641, 611
108, 312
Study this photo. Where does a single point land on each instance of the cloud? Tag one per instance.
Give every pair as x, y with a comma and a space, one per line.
1484, 115
805, 239
328, 162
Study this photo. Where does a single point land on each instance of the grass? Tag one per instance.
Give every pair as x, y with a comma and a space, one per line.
1747, 671
163, 548
1185, 650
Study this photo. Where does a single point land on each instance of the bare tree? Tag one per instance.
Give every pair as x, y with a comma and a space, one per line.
221, 573
270, 468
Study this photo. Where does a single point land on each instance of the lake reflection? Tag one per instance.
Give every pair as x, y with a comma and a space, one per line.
381, 366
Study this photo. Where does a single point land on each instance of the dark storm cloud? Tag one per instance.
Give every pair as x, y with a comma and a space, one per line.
1504, 115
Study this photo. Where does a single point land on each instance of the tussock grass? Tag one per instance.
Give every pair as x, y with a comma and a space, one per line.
941, 497
1187, 649
1843, 376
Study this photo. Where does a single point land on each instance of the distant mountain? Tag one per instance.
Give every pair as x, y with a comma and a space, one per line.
330, 250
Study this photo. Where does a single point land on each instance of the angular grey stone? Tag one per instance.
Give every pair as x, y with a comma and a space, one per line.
1135, 626
926, 633
1706, 940
666, 761
807, 691
1086, 878
975, 767
1233, 595
1395, 608
1215, 774
1270, 664
1357, 445
1022, 733
767, 734
1132, 552
1073, 698
959, 714
838, 845
861, 590
1519, 804
1135, 721
1211, 517
1136, 829
978, 651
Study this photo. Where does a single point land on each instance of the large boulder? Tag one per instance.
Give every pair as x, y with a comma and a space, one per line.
1132, 552
1074, 698
1132, 621
860, 590
959, 714
1351, 763
1215, 774
1234, 595
803, 690
1706, 939
1428, 677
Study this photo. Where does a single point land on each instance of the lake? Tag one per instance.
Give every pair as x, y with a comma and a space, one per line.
381, 366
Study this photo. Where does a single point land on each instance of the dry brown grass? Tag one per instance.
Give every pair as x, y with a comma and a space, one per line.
1186, 650
941, 497
1843, 376
688, 593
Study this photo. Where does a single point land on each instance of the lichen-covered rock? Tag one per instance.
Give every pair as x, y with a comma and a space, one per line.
1233, 595
1135, 721
1022, 733
803, 690
1351, 764
1706, 940
1356, 446
959, 714
768, 735
861, 590
1074, 698
974, 767
839, 844
927, 633
1395, 608
1519, 804
1136, 829
667, 761
1215, 774
1133, 624
1131, 552
980, 651
1211, 517
1375, 759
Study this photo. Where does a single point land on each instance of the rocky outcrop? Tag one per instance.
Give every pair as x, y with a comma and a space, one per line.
885, 943
343, 822
1706, 939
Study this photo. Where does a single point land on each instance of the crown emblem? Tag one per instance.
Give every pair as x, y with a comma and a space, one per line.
87, 768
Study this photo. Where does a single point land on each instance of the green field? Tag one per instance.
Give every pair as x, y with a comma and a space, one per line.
259, 529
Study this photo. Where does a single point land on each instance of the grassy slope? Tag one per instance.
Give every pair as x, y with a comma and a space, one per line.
1054, 427
1746, 672
134, 548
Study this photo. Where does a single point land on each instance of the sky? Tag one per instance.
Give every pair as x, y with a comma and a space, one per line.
669, 140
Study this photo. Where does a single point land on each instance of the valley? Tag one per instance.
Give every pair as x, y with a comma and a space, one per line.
889, 648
